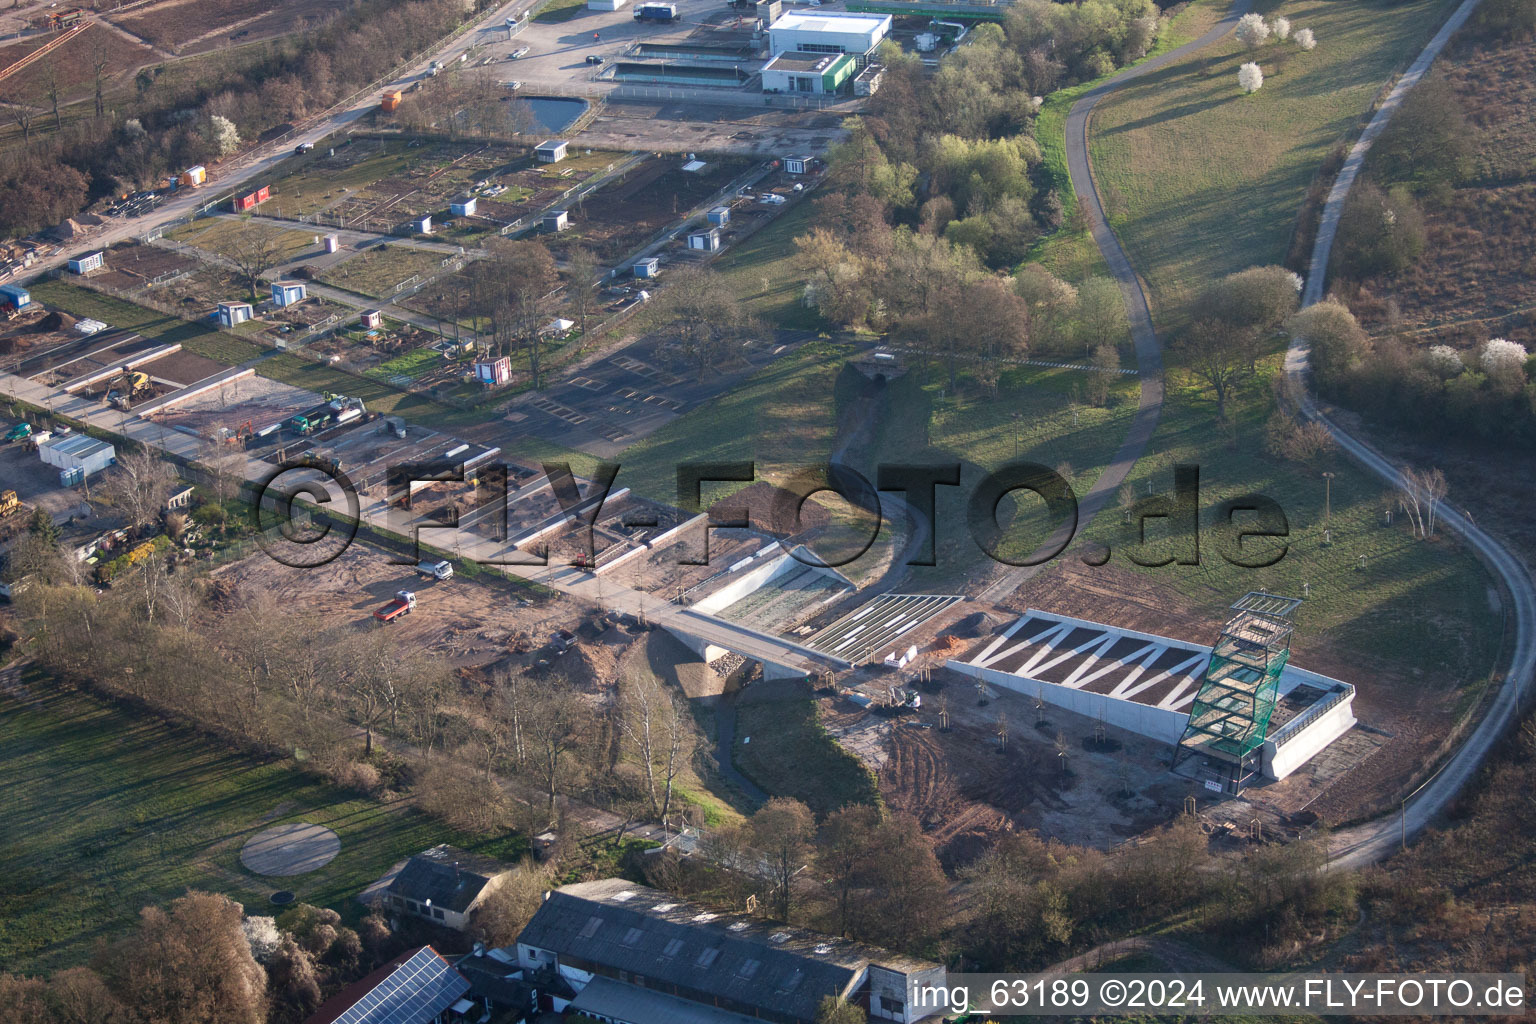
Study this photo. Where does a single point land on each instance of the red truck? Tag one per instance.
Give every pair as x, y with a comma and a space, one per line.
402, 604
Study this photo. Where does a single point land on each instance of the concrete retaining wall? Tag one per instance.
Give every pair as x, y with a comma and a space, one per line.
204, 386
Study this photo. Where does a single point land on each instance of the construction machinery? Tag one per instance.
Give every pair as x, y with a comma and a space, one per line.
126, 388
10, 504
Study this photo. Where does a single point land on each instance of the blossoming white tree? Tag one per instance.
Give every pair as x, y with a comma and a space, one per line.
1281, 27
1305, 39
1501, 354
1250, 77
1444, 361
223, 134
1252, 31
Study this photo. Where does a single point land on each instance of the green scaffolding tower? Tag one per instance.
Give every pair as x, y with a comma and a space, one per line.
1230, 717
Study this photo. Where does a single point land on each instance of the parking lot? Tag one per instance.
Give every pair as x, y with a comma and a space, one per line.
556, 62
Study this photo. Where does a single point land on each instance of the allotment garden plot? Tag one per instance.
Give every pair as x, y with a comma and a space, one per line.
623, 215
383, 183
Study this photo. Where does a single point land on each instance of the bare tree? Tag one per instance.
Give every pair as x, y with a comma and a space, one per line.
101, 58
782, 829
703, 314
52, 89
191, 964
583, 269
520, 278
658, 730
511, 904
253, 253
139, 486
1419, 494
1216, 354
557, 722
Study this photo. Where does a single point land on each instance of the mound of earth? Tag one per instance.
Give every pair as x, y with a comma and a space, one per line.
55, 321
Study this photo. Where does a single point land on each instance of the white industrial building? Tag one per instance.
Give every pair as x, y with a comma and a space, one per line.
76, 455
808, 32
1147, 684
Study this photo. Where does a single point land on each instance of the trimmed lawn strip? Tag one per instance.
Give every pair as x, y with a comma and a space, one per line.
108, 810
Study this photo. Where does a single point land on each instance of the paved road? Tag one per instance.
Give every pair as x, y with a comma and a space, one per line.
1365, 844
1379, 839
263, 160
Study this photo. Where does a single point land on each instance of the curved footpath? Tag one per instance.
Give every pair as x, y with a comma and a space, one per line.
1375, 840
1149, 354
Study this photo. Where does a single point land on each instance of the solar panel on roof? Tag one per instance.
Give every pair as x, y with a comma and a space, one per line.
416, 991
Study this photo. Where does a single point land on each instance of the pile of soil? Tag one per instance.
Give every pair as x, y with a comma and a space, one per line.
54, 321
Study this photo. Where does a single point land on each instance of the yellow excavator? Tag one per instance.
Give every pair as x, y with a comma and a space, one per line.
9, 504
126, 388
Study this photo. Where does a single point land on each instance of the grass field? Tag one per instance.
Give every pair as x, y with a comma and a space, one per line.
378, 396
783, 417
1031, 417
1200, 180
1071, 255
560, 10
108, 811
762, 271
1417, 607
213, 233
791, 754
162, 327
378, 271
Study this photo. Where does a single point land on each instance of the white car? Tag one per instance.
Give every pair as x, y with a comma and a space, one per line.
772, 197
521, 51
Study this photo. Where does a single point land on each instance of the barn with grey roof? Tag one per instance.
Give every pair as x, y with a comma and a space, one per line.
716, 967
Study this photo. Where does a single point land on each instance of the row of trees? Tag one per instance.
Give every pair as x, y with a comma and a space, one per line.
933, 295
202, 961
954, 151
174, 119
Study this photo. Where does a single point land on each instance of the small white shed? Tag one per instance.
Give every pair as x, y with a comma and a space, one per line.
551, 151
705, 241
232, 313
288, 293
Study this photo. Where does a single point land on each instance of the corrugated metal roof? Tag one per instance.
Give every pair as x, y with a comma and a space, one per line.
77, 446
757, 963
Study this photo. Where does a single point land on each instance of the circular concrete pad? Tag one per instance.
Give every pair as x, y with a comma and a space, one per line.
290, 849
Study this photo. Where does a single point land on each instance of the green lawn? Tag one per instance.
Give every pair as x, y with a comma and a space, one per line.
162, 327
1071, 255
560, 10
1031, 417
762, 272
782, 417
1200, 180
411, 364
378, 271
377, 395
107, 811
211, 234
782, 746
1419, 608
